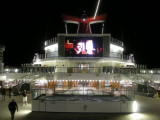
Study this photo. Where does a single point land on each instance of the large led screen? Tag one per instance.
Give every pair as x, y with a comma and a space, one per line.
83, 46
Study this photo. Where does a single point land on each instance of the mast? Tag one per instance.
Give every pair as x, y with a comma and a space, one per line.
96, 9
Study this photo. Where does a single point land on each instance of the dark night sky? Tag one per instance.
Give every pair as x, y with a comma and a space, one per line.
24, 24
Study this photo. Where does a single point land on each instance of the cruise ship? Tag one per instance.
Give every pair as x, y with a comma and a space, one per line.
82, 70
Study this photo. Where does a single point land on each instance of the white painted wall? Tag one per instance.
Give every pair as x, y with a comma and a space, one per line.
83, 106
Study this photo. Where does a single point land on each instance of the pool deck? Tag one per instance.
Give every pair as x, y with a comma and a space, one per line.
149, 109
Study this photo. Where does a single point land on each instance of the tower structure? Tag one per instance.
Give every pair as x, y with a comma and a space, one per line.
103, 49
84, 22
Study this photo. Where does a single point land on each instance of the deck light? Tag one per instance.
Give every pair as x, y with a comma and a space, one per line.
134, 106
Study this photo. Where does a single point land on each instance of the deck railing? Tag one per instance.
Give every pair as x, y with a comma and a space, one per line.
139, 69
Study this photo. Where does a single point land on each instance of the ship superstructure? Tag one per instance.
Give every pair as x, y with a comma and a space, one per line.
83, 68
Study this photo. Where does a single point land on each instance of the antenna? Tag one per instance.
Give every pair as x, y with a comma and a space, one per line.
96, 9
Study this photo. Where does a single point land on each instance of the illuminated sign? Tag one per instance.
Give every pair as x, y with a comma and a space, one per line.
83, 46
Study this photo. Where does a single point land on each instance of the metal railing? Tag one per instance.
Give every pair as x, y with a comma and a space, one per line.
116, 42
121, 94
104, 69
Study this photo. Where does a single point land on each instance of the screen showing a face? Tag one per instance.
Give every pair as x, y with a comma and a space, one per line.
83, 47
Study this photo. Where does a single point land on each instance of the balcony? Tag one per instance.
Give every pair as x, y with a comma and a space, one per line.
50, 41
116, 42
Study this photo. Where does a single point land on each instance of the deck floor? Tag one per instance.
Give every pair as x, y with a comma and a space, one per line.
149, 109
